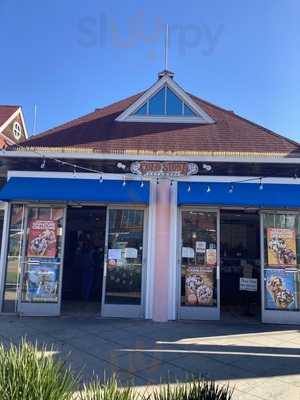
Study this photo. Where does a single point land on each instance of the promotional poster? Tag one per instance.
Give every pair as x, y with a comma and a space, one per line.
281, 247
281, 289
42, 282
199, 286
42, 238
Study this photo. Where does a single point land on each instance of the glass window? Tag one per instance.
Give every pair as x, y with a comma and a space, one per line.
43, 255
199, 259
157, 103
125, 257
174, 104
165, 102
15, 241
281, 261
188, 111
142, 110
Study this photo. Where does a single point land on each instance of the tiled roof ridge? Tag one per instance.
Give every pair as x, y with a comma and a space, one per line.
213, 153
234, 115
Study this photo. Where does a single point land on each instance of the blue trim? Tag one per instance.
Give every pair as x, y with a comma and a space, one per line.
75, 189
243, 194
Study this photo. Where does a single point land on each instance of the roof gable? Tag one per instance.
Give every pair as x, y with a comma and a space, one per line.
6, 112
165, 102
102, 131
12, 125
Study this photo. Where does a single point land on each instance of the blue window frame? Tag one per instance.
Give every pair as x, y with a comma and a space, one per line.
174, 104
142, 110
157, 103
188, 111
165, 103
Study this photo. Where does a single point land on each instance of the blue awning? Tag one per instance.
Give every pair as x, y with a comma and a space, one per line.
242, 194
74, 189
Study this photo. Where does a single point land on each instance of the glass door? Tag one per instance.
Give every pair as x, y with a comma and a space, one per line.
13, 258
42, 261
123, 281
198, 278
280, 260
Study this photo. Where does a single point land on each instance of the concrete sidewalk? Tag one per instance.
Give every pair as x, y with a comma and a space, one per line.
260, 361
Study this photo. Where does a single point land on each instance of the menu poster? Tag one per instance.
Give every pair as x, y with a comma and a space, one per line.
199, 286
211, 257
280, 289
42, 238
42, 282
281, 247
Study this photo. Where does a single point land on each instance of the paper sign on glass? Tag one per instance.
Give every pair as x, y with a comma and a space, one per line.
42, 239
248, 284
200, 247
114, 254
281, 289
131, 252
281, 247
188, 252
211, 257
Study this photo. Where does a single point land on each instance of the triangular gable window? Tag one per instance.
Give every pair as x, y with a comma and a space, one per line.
165, 103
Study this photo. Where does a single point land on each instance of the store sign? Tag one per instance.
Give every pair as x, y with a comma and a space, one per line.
163, 169
248, 284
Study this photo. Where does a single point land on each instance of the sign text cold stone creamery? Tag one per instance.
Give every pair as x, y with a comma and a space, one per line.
167, 169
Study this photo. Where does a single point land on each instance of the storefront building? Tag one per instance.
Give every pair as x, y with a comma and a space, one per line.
161, 206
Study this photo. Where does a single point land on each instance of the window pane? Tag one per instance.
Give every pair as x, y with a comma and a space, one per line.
125, 255
281, 261
16, 234
188, 111
43, 254
157, 103
199, 259
142, 110
174, 104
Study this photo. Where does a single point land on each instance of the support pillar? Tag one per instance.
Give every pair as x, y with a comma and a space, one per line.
162, 252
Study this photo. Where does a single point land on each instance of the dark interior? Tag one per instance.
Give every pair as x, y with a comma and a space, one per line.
83, 258
240, 257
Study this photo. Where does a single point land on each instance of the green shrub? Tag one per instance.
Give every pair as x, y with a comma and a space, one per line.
109, 390
196, 389
27, 373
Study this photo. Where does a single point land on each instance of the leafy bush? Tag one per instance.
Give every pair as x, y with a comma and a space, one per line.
196, 389
27, 373
109, 390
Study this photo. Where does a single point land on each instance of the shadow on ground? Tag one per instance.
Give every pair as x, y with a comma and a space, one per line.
247, 355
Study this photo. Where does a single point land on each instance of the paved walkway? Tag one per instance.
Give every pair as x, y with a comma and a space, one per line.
261, 361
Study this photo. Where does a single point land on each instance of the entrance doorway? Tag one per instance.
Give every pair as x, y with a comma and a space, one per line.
240, 258
83, 260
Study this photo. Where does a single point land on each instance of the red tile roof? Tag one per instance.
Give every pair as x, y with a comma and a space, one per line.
6, 112
98, 131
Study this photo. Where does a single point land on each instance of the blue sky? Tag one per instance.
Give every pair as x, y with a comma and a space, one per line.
70, 57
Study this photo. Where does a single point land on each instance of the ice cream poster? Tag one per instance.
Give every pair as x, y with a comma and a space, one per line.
42, 238
199, 286
280, 289
281, 247
42, 282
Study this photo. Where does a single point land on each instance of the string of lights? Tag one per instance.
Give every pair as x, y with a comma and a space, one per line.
77, 168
